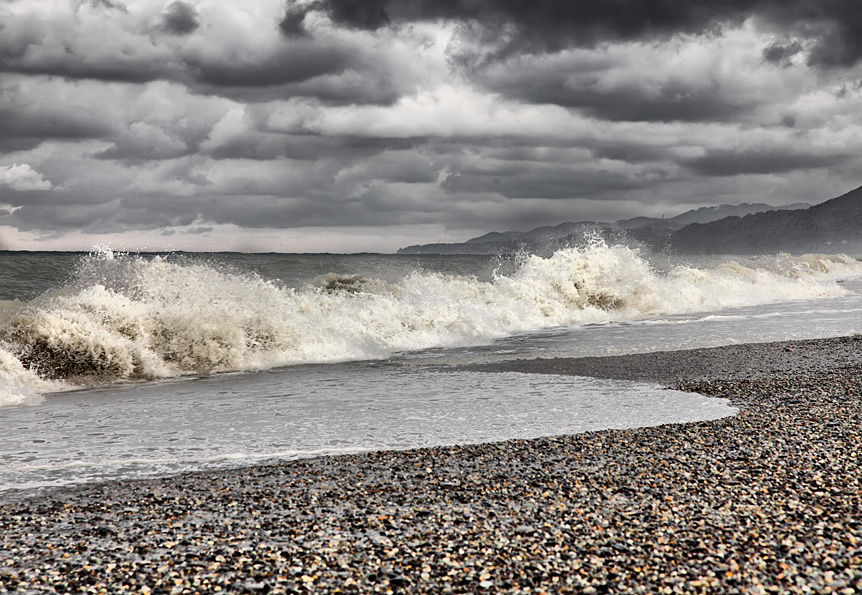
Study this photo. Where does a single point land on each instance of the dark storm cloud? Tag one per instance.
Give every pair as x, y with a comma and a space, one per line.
276, 115
840, 46
293, 22
306, 147
18, 41
670, 100
287, 65
344, 187
359, 14
364, 15
151, 212
60, 210
22, 128
333, 69
295, 63
133, 151
64, 210
46, 198
548, 22
180, 18
117, 69
323, 210
835, 26
780, 53
104, 217
254, 212
48, 217
559, 185
251, 211
350, 86
776, 161
552, 181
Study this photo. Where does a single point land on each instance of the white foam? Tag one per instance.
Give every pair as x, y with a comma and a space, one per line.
128, 317
19, 385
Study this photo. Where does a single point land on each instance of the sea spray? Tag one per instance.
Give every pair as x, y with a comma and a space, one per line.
126, 317
19, 385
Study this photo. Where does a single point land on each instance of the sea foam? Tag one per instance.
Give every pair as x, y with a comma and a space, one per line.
126, 317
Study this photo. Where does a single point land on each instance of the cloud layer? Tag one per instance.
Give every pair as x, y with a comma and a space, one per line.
188, 122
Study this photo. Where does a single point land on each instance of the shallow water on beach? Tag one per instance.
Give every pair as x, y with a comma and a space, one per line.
227, 420
118, 366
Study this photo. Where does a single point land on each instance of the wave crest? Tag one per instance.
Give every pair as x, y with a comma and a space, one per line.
128, 317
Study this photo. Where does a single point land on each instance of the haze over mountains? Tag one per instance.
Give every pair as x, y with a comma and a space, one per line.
831, 226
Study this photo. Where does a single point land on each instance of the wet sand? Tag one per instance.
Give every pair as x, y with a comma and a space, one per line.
765, 501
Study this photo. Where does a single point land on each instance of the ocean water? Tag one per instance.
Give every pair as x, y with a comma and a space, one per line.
116, 366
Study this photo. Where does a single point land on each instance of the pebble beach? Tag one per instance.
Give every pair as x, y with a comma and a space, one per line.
766, 501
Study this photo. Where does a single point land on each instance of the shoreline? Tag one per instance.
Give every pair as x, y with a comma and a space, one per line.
745, 360
768, 500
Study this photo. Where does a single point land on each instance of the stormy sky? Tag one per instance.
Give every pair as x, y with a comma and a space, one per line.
367, 125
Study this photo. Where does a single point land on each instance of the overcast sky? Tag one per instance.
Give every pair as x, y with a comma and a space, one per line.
367, 125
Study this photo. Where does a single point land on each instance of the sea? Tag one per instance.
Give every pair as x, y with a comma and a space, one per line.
117, 366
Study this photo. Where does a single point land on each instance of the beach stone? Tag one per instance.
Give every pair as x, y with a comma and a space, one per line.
767, 501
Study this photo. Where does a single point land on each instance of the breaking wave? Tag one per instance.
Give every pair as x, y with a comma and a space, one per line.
126, 317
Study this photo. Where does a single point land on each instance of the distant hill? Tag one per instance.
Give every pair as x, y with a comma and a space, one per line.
538, 240
706, 214
831, 226
649, 231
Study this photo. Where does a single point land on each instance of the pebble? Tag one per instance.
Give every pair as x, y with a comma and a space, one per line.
767, 501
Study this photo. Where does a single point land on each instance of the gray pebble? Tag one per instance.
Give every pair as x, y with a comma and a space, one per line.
768, 501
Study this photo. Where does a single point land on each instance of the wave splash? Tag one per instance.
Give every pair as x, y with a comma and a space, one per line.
126, 317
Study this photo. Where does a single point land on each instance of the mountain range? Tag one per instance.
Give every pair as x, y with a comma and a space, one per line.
832, 226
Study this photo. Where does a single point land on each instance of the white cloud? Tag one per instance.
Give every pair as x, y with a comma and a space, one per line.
449, 111
23, 177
